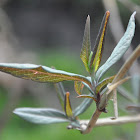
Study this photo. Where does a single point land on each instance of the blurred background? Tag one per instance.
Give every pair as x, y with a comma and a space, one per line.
50, 32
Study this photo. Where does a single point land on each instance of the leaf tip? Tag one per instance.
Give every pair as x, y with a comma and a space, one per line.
88, 21
134, 13
67, 94
107, 12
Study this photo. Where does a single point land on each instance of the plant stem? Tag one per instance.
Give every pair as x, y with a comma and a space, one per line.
92, 122
104, 100
115, 104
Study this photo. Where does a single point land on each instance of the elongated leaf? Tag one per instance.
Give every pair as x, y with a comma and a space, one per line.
41, 115
120, 49
98, 48
88, 87
40, 73
78, 87
68, 109
83, 106
86, 96
104, 83
86, 47
60, 93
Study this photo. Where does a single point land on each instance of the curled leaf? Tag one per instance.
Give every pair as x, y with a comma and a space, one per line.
67, 106
98, 48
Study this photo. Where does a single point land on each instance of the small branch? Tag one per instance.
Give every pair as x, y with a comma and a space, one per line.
118, 121
115, 103
92, 122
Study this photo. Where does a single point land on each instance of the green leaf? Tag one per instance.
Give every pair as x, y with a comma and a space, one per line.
104, 83
40, 73
78, 87
98, 48
41, 115
86, 47
120, 49
60, 93
67, 106
83, 106
88, 87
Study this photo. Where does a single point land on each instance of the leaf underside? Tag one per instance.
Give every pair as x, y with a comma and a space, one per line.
40, 73
120, 49
86, 46
98, 48
41, 115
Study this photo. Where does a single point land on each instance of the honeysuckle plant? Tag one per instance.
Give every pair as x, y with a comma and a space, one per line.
100, 91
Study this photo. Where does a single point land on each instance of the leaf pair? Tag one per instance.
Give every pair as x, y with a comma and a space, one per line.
91, 59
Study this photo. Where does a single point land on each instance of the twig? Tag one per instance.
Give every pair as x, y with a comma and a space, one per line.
118, 121
125, 68
115, 103
127, 65
114, 85
92, 122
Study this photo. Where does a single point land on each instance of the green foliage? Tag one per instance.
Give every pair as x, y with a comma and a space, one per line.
120, 49
98, 48
41, 115
91, 62
86, 47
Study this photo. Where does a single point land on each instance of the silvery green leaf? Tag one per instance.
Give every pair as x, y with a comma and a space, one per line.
120, 49
60, 93
87, 86
136, 85
41, 115
83, 106
75, 124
